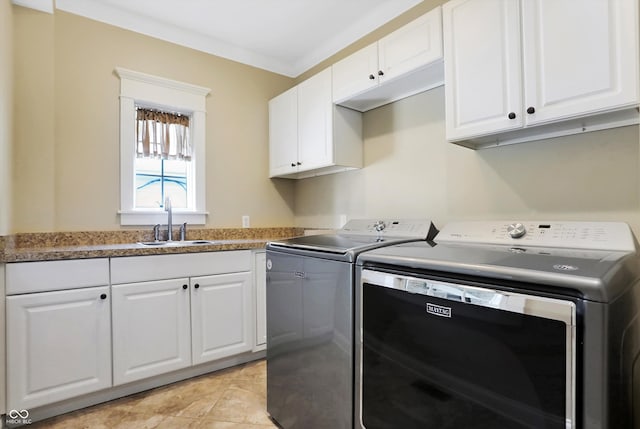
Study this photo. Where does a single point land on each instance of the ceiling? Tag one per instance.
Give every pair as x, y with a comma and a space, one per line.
284, 36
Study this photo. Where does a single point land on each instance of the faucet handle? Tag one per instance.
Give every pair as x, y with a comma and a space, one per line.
183, 231
156, 232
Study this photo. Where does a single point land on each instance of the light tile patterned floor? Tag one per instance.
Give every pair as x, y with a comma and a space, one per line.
234, 398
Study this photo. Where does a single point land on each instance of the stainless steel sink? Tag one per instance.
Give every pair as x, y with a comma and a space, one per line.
176, 243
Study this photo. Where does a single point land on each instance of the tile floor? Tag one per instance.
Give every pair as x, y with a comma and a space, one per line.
233, 398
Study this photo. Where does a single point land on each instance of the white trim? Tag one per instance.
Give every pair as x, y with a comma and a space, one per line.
163, 82
153, 91
41, 5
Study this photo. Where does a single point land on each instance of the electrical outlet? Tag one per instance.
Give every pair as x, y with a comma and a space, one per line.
245, 222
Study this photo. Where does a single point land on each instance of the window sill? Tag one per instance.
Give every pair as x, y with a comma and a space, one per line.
152, 217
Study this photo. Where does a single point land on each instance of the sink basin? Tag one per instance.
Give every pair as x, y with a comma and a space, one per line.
175, 243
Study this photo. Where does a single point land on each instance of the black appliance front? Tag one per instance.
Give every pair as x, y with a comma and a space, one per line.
442, 355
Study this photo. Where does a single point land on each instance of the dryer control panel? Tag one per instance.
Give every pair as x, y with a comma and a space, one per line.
560, 234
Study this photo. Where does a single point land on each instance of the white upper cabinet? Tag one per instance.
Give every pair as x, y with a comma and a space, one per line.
482, 67
579, 58
315, 122
283, 133
524, 70
309, 135
405, 62
355, 74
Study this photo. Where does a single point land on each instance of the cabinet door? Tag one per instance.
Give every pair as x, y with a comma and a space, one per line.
151, 329
315, 122
579, 58
415, 45
222, 316
283, 133
58, 346
355, 74
260, 278
482, 57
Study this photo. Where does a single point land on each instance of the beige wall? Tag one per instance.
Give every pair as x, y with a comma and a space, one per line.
68, 164
34, 148
6, 114
411, 171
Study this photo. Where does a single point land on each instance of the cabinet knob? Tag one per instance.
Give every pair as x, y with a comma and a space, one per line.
380, 73
512, 115
103, 296
531, 110
184, 286
293, 164
371, 77
196, 285
299, 163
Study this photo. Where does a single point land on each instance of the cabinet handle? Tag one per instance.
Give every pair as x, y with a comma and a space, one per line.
299, 163
531, 110
512, 115
371, 77
184, 286
380, 73
293, 164
103, 296
196, 285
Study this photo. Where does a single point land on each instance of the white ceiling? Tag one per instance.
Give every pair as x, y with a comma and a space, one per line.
283, 36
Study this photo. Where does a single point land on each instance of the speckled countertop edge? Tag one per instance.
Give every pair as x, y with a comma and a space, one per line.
33, 247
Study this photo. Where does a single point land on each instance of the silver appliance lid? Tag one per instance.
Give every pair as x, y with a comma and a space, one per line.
357, 236
598, 275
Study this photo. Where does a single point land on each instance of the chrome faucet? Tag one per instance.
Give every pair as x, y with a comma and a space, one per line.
167, 208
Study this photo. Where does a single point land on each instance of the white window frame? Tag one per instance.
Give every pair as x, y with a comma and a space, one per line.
155, 92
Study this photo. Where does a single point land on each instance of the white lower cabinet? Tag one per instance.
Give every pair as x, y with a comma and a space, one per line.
151, 329
69, 333
58, 346
163, 325
221, 308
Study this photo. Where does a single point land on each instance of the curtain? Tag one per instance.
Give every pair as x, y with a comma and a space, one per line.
162, 135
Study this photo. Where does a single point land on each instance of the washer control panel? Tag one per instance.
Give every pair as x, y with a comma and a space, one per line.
560, 234
411, 228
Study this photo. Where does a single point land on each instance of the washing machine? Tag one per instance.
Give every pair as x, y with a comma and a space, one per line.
310, 284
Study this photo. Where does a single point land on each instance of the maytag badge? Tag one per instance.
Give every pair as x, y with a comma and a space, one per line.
438, 310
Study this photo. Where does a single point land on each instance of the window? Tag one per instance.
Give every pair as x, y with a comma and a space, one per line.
163, 159
162, 149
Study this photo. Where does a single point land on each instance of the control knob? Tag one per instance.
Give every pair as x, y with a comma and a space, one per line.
379, 226
516, 230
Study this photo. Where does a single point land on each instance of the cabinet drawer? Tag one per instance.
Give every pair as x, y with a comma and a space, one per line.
157, 267
29, 277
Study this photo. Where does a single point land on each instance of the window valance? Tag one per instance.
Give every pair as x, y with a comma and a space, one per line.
162, 135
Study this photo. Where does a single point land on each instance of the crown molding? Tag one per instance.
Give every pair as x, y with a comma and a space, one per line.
41, 5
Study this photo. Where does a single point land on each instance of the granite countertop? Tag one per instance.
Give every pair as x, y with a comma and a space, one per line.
108, 244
